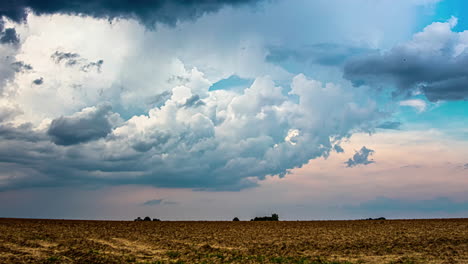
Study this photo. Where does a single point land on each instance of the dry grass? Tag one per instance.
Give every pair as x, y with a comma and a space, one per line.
390, 241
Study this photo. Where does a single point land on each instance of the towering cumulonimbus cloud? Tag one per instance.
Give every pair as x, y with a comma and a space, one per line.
148, 12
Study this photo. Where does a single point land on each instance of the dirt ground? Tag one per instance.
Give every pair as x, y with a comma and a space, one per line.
364, 241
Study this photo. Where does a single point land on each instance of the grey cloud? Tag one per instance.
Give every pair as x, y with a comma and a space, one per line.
155, 140
19, 66
39, 81
395, 125
159, 99
153, 202
466, 166
21, 133
328, 54
90, 124
148, 12
431, 62
361, 157
338, 148
193, 101
71, 59
9, 36
7, 113
170, 202
178, 80
9, 66
96, 65
159, 202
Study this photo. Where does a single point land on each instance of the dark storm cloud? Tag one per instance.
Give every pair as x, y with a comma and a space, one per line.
328, 54
39, 81
147, 11
9, 36
432, 62
22, 133
382, 205
395, 125
82, 127
438, 77
361, 157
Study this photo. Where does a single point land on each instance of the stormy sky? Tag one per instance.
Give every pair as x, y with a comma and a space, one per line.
186, 110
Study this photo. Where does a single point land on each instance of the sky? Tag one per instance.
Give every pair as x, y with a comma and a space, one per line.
215, 109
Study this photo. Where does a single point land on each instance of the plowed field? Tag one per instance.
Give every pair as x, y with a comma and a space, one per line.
366, 241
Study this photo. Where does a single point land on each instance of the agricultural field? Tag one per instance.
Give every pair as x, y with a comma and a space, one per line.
363, 241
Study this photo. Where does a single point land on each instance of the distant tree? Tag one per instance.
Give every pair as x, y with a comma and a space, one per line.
380, 218
156, 219
138, 219
147, 219
235, 219
273, 217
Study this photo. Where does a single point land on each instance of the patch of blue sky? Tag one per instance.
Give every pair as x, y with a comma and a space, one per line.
448, 117
233, 82
457, 8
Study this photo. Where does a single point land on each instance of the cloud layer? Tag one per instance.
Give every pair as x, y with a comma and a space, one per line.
435, 62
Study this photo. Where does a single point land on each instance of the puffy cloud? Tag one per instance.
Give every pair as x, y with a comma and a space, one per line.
229, 142
361, 157
418, 104
90, 124
434, 62
148, 12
